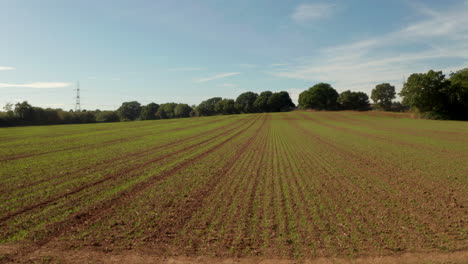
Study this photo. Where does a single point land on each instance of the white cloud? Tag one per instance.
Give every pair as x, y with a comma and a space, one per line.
6, 68
219, 76
36, 85
306, 12
439, 41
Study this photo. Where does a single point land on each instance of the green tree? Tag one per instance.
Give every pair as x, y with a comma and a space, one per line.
148, 112
161, 114
458, 94
207, 108
436, 97
8, 117
226, 107
424, 92
460, 78
261, 103
280, 102
9, 110
8, 107
182, 110
46, 116
245, 102
399, 107
83, 117
166, 111
129, 110
321, 96
24, 111
107, 116
382, 95
349, 100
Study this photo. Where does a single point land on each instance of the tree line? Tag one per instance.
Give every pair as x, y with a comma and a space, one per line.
25, 114
431, 94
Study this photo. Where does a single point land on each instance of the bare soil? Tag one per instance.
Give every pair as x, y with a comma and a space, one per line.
51, 255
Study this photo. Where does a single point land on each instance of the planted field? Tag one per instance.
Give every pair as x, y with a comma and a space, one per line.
282, 185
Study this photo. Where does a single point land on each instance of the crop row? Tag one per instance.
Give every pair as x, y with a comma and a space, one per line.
299, 184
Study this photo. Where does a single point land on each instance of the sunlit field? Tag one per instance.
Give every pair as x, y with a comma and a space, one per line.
281, 185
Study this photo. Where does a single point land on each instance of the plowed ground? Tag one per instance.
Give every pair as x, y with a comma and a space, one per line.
286, 186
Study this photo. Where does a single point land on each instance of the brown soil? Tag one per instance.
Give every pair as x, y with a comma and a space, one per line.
50, 255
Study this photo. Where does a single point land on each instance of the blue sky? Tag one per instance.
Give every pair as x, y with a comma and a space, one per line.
188, 51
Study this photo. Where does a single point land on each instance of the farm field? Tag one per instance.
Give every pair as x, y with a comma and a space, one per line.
297, 185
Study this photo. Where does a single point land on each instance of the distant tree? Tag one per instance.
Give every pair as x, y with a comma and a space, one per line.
161, 114
76, 117
226, 107
321, 96
66, 117
207, 108
46, 116
436, 97
349, 100
4, 120
261, 103
166, 111
24, 111
425, 91
83, 117
107, 116
219, 107
245, 102
193, 113
148, 112
280, 102
399, 107
382, 95
8, 107
129, 111
182, 110
460, 79
9, 114
8, 118
458, 94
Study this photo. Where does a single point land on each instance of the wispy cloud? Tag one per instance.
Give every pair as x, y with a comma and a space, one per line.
185, 69
219, 76
247, 65
279, 64
228, 85
313, 11
440, 39
36, 85
6, 68
53, 105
